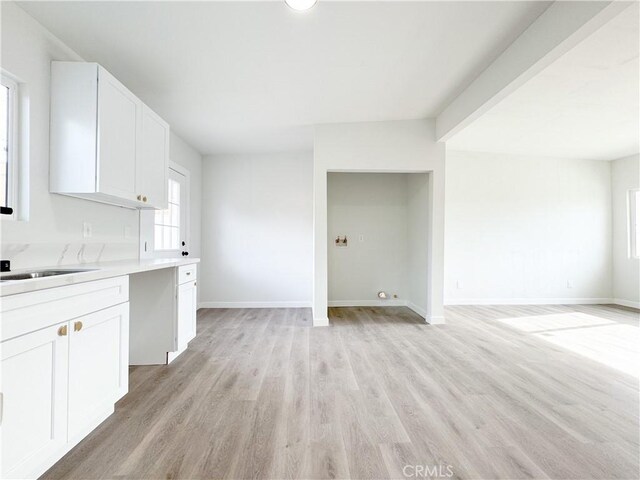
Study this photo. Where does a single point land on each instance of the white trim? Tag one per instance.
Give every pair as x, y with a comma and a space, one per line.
419, 310
435, 320
632, 249
171, 356
321, 322
254, 305
13, 122
528, 301
367, 303
626, 303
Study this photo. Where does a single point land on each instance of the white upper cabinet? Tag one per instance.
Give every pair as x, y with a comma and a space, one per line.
118, 117
154, 145
106, 145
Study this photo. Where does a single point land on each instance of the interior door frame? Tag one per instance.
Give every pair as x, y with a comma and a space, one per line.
146, 222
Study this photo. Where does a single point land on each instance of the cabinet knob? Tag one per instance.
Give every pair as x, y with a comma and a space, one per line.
62, 331
139, 197
77, 326
144, 199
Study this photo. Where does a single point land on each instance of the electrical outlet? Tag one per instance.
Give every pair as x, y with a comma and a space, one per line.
459, 285
361, 238
87, 230
569, 284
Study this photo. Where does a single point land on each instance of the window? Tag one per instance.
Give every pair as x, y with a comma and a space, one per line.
634, 223
167, 222
8, 154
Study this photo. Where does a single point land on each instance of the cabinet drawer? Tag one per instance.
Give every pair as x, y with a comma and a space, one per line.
27, 312
187, 273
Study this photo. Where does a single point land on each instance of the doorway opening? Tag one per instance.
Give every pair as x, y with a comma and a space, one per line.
378, 239
165, 233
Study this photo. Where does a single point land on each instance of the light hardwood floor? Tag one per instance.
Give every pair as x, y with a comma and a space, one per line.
260, 394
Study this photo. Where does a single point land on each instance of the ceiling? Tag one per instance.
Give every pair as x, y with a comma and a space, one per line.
242, 77
586, 105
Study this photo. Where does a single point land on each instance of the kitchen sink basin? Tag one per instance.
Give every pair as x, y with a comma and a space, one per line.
37, 274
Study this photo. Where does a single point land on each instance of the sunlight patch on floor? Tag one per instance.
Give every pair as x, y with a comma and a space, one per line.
616, 345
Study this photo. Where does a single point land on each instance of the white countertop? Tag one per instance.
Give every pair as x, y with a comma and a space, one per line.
92, 271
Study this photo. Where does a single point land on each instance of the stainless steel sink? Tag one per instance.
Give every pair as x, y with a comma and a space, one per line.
38, 274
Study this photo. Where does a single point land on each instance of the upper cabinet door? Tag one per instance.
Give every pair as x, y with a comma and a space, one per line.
153, 160
118, 114
105, 144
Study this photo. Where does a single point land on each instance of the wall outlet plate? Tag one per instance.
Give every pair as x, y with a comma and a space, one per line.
87, 230
341, 241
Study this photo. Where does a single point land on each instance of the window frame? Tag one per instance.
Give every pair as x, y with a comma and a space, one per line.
180, 220
633, 214
12, 144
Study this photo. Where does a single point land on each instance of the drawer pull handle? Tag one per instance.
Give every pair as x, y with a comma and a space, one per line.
188, 273
77, 326
62, 331
139, 197
144, 199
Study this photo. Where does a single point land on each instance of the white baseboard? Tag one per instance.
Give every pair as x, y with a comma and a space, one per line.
367, 303
626, 303
527, 301
435, 320
419, 310
321, 322
254, 305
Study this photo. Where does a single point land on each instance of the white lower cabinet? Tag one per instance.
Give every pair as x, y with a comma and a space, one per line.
98, 367
163, 311
34, 401
187, 308
60, 381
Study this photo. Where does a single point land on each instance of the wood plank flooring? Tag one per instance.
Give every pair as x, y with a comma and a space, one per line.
379, 394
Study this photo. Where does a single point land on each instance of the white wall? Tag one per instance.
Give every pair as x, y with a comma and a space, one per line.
418, 240
257, 230
51, 232
625, 176
371, 209
518, 229
399, 146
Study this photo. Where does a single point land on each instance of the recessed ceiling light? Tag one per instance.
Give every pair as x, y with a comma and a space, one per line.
300, 5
